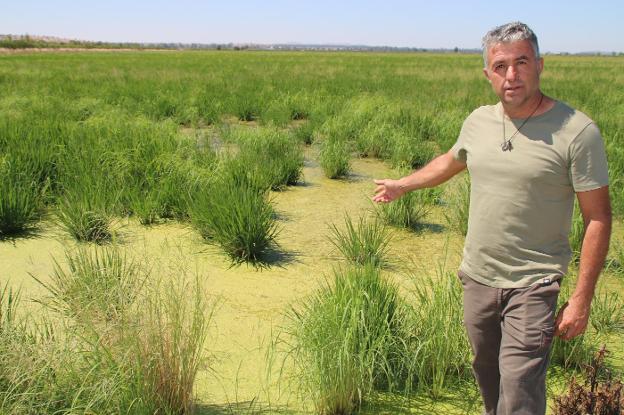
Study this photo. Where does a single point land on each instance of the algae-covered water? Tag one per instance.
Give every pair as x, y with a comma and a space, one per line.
241, 371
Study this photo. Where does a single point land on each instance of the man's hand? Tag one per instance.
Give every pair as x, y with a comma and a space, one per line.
387, 190
572, 319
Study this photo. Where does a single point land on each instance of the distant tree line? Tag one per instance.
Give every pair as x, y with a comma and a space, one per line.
42, 42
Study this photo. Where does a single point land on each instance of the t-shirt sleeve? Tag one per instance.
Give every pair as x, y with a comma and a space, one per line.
459, 148
588, 160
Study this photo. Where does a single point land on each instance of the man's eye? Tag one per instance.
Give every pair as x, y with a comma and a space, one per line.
498, 67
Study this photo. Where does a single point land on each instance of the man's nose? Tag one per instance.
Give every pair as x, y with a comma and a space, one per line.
512, 73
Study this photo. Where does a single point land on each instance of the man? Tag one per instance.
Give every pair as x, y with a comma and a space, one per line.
527, 156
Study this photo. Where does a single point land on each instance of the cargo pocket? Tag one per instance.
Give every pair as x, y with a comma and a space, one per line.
547, 336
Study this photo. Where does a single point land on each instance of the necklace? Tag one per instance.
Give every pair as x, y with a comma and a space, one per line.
506, 145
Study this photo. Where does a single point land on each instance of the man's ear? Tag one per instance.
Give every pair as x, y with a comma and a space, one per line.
487, 75
540, 65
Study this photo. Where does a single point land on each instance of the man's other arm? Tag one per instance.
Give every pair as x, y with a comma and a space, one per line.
596, 210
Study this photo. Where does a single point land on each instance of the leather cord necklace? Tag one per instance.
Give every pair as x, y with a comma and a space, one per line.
506, 145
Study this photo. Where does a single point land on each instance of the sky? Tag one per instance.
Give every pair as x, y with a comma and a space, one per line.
561, 26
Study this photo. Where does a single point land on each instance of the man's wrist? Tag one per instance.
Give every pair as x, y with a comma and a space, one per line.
403, 186
582, 300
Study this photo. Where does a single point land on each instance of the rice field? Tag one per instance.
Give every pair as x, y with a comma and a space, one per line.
192, 232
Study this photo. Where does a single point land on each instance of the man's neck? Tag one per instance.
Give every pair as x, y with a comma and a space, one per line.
534, 106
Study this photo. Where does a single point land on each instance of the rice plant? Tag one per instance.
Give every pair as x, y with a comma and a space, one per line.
304, 133
411, 152
9, 301
458, 208
607, 312
349, 339
21, 197
272, 157
375, 140
334, 158
406, 212
441, 352
143, 364
167, 343
83, 221
237, 217
365, 242
99, 284
577, 233
616, 263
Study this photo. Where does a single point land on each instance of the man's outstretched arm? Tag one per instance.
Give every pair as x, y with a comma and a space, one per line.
437, 171
596, 209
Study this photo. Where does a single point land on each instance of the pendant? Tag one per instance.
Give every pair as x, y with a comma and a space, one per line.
506, 146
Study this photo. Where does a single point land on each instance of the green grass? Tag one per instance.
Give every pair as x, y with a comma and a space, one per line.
21, 197
142, 363
348, 340
83, 218
407, 212
335, 158
100, 284
361, 243
441, 356
458, 205
98, 138
573, 354
607, 312
272, 156
234, 214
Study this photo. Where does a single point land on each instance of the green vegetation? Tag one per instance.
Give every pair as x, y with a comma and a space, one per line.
21, 197
348, 339
99, 285
459, 206
91, 141
121, 346
442, 358
236, 215
334, 158
365, 242
407, 212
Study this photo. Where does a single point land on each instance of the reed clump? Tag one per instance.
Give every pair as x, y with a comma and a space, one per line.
235, 214
138, 355
364, 242
349, 339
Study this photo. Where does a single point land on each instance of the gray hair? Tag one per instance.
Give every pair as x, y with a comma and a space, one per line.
507, 33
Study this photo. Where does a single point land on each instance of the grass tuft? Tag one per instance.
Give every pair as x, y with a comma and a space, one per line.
236, 216
335, 159
20, 197
347, 339
406, 212
441, 353
100, 284
365, 242
459, 206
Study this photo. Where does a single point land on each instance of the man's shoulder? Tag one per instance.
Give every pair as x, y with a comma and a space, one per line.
573, 119
483, 112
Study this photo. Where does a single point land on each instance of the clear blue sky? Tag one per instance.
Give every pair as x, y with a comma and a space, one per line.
571, 25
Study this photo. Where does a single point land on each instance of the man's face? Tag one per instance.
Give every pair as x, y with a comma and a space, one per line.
514, 73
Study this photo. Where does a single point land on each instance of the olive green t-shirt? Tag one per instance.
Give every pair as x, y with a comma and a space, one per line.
521, 201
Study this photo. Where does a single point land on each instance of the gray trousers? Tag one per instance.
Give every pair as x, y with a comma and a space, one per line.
510, 332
